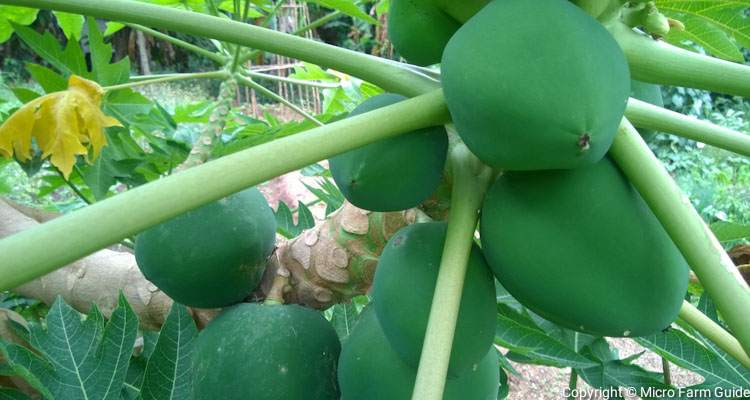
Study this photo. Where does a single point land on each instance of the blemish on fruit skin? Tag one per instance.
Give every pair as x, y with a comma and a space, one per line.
283, 369
584, 142
626, 333
398, 240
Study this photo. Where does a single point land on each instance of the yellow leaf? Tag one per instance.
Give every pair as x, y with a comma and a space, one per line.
64, 124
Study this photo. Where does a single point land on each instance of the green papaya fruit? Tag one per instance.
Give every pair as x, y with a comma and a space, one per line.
369, 369
213, 256
403, 288
535, 85
419, 30
392, 174
581, 248
266, 352
649, 93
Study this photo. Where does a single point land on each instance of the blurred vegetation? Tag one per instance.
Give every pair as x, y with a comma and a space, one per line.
717, 181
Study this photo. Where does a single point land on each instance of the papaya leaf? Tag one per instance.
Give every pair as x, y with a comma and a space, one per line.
131, 390
76, 358
347, 7
719, 370
100, 176
112, 28
64, 124
48, 79
343, 317
327, 192
705, 34
29, 366
285, 225
706, 20
101, 54
706, 306
126, 105
25, 95
617, 377
504, 389
69, 60
727, 231
314, 170
168, 374
10, 15
522, 337
71, 24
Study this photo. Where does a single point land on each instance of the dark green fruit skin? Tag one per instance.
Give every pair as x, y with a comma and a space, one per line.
581, 248
419, 30
649, 93
267, 352
549, 96
392, 174
213, 256
405, 283
369, 369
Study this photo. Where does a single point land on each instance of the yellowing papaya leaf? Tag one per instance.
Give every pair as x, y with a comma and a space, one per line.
64, 124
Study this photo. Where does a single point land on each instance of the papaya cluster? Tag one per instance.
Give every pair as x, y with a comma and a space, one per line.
380, 357
538, 90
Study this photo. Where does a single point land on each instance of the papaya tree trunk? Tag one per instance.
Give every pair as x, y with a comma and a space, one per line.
143, 57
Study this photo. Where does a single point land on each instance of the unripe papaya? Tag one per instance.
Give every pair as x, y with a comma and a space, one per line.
369, 369
403, 288
535, 85
649, 93
420, 29
392, 174
266, 352
581, 248
213, 256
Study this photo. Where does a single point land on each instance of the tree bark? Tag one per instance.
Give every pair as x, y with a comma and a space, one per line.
143, 57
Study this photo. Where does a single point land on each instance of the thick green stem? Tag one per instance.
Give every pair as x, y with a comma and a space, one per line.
276, 78
572, 384
714, 332
273, 96
645, 115
215, 57
689, 232
389, 76
470, 181
299, 31
659, 62
170, 78
39, 250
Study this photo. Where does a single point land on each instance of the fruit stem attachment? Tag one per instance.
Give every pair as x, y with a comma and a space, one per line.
689, 232
36, 251
278, 287
659, 62
645, 115
470, 181
714, 332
